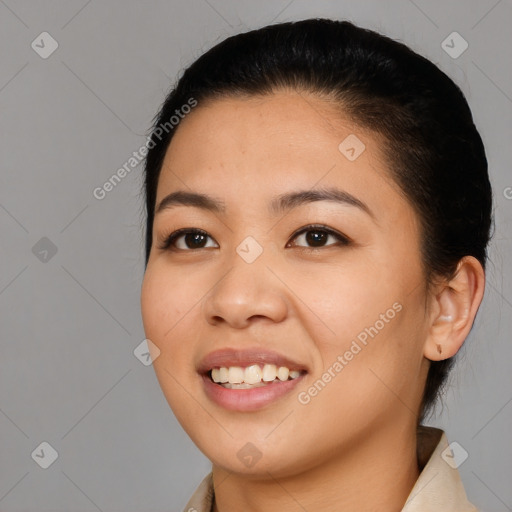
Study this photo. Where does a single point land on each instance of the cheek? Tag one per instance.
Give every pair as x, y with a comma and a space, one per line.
165, 300
166, 304
345, 299
365, 314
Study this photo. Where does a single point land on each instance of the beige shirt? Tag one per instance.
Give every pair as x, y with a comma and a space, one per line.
438, 488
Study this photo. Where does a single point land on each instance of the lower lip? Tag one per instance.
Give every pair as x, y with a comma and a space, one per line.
248, 399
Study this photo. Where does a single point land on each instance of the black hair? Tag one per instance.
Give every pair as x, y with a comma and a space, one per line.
431, 145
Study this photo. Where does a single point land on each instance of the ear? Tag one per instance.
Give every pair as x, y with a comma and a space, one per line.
454, 305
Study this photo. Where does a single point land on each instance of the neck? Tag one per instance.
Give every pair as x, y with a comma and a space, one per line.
378, 474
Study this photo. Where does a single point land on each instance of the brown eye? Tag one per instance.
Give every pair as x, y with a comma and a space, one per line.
188, 239
317, 237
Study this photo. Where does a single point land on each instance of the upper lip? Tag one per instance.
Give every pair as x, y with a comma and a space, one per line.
235, 357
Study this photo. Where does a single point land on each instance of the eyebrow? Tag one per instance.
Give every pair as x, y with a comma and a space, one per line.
279, 205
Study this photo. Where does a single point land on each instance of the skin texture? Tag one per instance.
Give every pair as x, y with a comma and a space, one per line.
353, 446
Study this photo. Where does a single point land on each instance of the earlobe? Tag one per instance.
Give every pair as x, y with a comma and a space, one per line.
453, 310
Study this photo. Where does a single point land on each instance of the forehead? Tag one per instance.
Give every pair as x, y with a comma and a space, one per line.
297, 119
281, 135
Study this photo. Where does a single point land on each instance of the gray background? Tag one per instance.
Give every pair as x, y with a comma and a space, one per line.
70, 321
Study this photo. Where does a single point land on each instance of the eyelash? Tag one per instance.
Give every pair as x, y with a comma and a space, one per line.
171, 239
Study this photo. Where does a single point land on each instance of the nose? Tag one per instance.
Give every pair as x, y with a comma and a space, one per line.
248, 292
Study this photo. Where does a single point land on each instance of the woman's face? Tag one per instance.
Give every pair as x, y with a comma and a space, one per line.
340, 303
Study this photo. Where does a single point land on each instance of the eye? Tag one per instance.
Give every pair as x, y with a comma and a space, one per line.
187, 239
312, 237
317, 236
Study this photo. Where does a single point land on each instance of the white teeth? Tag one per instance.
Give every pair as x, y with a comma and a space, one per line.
243, 385
235, 375
220, 375
269, 372
223, 375
251, 376
283, 373
216, 374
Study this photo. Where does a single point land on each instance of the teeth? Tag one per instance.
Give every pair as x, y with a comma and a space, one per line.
216, 374
223, 375
243, 385
283, 373
220, 375
251, 376
269, 372
235, 375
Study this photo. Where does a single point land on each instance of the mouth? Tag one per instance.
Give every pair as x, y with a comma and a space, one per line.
248, 380
253, 376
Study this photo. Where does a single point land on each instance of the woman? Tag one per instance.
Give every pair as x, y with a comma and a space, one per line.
318, 211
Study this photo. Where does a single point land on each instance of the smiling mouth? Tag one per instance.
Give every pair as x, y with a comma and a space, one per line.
253, 376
